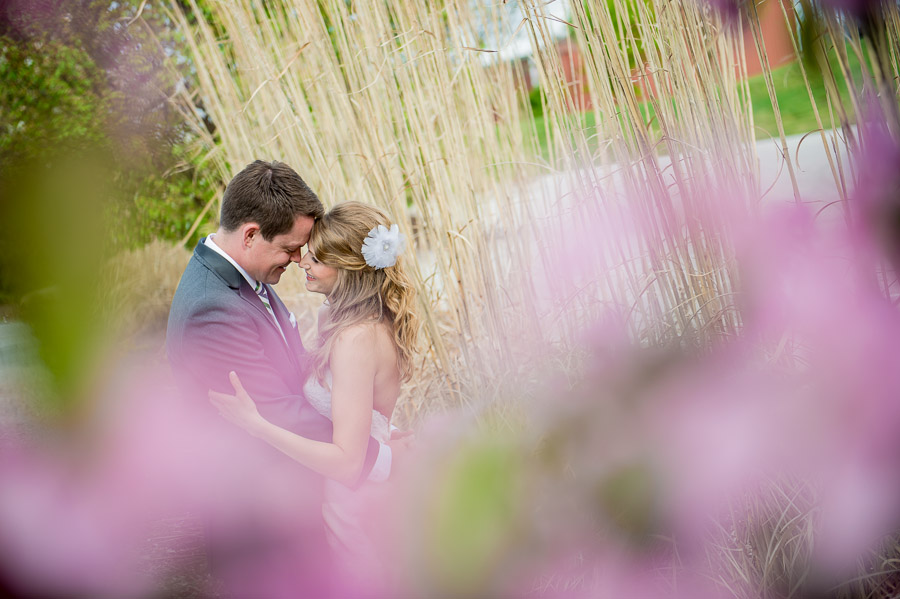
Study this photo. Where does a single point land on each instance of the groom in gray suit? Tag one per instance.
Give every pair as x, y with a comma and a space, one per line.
225, 315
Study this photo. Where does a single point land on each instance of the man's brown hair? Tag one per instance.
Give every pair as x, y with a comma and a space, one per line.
270, 194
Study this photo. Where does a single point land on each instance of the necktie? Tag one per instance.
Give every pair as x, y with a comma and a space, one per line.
260, 290
264, 296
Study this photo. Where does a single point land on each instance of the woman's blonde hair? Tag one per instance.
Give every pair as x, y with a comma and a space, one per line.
362, 293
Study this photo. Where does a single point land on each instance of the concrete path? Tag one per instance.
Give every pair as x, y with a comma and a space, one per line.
815, 179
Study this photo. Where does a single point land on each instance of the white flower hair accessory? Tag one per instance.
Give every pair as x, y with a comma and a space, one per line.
382, 246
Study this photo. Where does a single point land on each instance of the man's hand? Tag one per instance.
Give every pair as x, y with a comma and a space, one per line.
397, 434
401, 441
401, 444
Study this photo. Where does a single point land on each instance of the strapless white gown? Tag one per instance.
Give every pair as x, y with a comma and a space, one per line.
320, 398
350, 514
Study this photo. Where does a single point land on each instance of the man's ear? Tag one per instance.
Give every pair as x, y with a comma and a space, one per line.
249, 234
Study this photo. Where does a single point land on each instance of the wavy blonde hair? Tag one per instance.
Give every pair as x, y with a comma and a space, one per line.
362, 293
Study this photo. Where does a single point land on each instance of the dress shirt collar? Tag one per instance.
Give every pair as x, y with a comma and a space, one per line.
208, 242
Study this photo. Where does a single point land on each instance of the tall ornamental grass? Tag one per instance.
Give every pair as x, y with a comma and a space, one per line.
404, 105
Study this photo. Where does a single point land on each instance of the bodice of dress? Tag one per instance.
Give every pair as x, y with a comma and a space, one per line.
320, 398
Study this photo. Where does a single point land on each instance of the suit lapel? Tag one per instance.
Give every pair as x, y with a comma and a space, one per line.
291, 335
221, 267
235, 280
284, 335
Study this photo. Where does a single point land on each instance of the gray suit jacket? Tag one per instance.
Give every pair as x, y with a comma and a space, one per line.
217, 324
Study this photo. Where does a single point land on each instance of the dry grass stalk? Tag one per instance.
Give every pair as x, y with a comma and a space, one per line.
138, 287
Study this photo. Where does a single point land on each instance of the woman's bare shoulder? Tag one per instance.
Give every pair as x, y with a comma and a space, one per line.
364, 345
359, 334
354, 352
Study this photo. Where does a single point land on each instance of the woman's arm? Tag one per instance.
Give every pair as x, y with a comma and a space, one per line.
353, 367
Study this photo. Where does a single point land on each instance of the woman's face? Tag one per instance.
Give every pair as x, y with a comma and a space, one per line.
319, 277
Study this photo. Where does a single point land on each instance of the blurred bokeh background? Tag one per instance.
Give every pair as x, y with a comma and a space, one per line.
655, 246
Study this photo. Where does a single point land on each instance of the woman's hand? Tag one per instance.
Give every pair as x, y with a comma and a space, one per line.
238, 408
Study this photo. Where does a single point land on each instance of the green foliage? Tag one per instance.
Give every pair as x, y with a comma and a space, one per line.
47, 91
50, 253
625, 27
165, 207
85, 79
51, 109
474, 517
627, 31
93, 159
534, 98
205, 10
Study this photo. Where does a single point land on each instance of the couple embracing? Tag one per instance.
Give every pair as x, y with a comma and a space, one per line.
234, 346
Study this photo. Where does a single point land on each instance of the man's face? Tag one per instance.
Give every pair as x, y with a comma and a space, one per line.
266, 260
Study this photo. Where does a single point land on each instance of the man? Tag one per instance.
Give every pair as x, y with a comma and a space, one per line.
225, 316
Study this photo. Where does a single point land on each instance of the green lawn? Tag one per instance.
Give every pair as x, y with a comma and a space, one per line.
793, 100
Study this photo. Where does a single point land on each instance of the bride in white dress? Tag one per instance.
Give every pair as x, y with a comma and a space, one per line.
367, 332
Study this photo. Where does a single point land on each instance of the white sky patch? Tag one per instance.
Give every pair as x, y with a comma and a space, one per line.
510, 41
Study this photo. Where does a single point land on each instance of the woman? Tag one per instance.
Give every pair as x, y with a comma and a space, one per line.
366, 339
